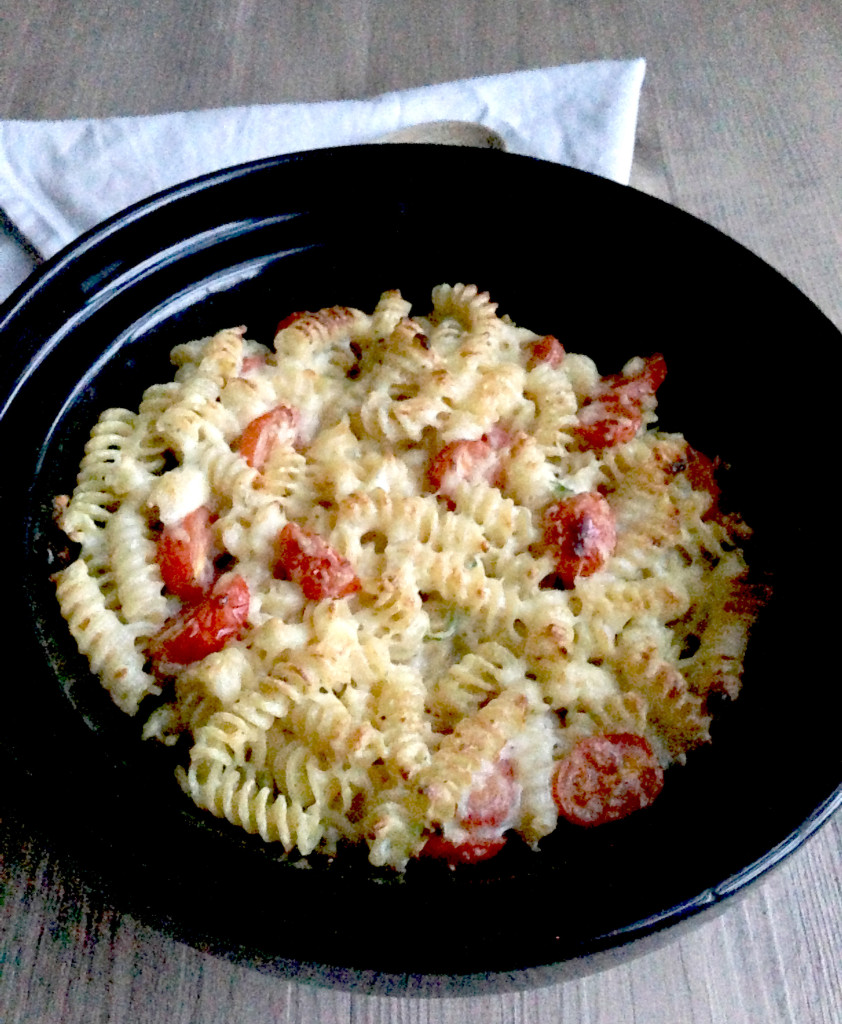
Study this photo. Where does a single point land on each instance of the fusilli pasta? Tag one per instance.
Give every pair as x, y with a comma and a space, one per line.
399, 578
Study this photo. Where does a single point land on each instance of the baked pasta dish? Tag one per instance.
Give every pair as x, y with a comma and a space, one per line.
428, 583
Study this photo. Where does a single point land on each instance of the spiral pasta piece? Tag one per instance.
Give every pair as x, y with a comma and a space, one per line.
97, 488
404, 364
472, 682
473, 309
228, 792
678, 715
396, 617
474, 743
106, 641
504, 523
391, 308
395, 828
325, 723
401, 714
555, 407
137, 576
231, 478
322, 340
402, 418
148, 446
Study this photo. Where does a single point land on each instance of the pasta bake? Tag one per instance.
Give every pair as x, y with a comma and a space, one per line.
428, 583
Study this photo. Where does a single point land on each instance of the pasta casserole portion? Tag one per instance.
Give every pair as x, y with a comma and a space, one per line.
428, 583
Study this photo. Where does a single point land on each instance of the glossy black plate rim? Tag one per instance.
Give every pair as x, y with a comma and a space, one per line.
70, 260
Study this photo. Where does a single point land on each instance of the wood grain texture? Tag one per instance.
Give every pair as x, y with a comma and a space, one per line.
740, 124
771, 957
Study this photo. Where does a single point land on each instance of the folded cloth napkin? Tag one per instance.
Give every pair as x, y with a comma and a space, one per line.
59, 178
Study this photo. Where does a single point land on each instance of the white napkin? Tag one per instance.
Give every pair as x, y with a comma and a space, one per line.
59, 178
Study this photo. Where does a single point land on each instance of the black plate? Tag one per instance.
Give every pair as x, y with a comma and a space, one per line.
610, 271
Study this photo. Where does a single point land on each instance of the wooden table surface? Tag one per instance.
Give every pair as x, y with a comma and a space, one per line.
740, 124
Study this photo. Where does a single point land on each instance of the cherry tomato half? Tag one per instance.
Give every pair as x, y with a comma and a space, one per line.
307, 559
277, 426
492, 801
470, 851
185, 555
605, 778
581, 534
613, 415
488, 807
701, 472
252, 363
206, 627
465, 462
546, 350
606, 423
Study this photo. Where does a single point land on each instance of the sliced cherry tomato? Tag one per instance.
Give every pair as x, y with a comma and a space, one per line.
488, 807
277, 426
607, 422
645, 382
701, 472
470, 851
614, 413
606, 778
307, 559
185, 555
465, 462
206, 627
581, 534
491, 803
654, 371
252, 363
498, 437
546, 350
